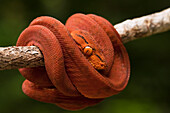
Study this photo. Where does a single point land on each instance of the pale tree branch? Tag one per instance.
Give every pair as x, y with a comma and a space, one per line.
17, 57
129, 30
132, 29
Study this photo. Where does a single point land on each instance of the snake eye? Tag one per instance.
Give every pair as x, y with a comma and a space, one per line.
88, 50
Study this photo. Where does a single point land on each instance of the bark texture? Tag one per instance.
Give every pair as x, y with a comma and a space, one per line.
18, 57
144, 26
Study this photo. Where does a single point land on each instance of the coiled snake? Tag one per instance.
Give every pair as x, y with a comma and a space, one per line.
75, 76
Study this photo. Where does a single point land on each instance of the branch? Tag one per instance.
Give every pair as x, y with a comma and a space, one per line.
129, 30
144, 26
19, 57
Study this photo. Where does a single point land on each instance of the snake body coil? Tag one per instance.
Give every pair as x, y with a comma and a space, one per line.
70, 78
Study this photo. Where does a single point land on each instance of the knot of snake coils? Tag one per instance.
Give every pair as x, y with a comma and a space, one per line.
68, 79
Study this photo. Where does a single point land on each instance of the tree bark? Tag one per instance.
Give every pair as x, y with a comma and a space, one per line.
130, 30
18, 57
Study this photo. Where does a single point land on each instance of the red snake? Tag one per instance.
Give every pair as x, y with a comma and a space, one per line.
69, 79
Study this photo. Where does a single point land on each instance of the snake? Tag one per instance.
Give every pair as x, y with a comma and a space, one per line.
71, 78
89, 48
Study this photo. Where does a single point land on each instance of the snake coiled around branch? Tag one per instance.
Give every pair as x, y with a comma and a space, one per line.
68, 78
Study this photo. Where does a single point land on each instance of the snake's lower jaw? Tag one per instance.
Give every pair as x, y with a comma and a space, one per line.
96, 62
98, 65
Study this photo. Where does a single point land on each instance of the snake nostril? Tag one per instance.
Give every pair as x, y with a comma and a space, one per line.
102, 65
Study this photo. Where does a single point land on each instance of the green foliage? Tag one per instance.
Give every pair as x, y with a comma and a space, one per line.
148, 88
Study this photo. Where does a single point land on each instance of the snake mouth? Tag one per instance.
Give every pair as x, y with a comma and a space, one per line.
98, 65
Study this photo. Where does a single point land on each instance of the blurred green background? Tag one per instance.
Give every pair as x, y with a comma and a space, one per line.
148, 90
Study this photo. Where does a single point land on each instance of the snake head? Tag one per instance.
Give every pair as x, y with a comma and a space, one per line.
90, 48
